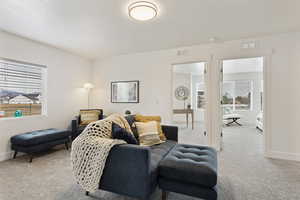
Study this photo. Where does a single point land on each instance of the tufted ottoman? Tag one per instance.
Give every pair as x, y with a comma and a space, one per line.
40, 140
190, 170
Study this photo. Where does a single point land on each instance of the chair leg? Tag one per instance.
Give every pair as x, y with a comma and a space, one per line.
67, 145
164, 195
15, 154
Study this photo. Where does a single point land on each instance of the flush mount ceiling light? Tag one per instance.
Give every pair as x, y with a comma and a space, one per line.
142, 10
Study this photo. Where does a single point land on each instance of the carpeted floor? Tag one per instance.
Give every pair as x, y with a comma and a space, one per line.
244, 173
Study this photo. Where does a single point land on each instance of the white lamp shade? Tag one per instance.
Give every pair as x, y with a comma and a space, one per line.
88, 86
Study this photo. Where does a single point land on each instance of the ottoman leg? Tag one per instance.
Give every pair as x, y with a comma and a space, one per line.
30, 158
164, 195
15, 154
87, 193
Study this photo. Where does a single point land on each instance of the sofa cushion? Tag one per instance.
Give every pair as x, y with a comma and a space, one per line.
158, 152
39, 137
190, 164
121, 133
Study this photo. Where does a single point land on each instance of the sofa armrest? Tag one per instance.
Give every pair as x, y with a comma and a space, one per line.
127, 171
171, 132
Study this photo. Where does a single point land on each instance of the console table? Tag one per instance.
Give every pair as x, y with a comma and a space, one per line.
186, 112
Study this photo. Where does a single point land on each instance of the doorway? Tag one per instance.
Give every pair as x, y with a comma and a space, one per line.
189, 101
242, 83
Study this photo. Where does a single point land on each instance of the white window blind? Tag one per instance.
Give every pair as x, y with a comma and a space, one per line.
21, 88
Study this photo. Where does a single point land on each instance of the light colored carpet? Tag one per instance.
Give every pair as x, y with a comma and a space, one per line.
244, 174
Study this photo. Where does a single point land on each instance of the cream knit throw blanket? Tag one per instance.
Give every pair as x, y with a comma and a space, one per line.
91, 148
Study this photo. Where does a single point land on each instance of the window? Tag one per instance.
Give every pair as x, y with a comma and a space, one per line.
200, 101
236, 95
21, 89
261, 95
228, 96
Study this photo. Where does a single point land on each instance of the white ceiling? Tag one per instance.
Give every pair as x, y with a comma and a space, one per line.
101, 28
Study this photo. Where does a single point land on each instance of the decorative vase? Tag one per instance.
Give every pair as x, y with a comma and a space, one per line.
18, 113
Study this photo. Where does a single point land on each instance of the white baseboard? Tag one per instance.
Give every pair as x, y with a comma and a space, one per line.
6, 156
283, 155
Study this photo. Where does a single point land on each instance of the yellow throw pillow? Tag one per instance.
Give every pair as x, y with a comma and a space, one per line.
143, 118
88, 116
148, 134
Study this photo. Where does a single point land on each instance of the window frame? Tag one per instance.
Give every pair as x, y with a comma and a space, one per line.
198, 86
43, 100
233, 105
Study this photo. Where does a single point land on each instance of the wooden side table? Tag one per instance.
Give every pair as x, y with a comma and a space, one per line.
186, 112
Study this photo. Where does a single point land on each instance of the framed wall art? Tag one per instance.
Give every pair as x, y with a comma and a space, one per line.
125, 92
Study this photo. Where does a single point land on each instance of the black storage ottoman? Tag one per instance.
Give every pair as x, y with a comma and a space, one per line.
37, 141
190, 170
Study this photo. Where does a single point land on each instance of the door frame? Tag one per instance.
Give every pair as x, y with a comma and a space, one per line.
267, 114
207, 115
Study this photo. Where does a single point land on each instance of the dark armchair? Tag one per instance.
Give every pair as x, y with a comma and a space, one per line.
76, 128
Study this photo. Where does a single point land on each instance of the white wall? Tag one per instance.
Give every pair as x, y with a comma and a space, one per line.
65, 96
249, 116
154, 70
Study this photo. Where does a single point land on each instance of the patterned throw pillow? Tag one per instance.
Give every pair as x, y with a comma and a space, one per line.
143, 118
88, 116
121, 134
148, 134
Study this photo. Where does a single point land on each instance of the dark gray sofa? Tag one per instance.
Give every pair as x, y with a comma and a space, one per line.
132, 170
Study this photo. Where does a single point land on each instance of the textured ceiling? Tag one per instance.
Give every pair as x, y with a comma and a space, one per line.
102, 28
